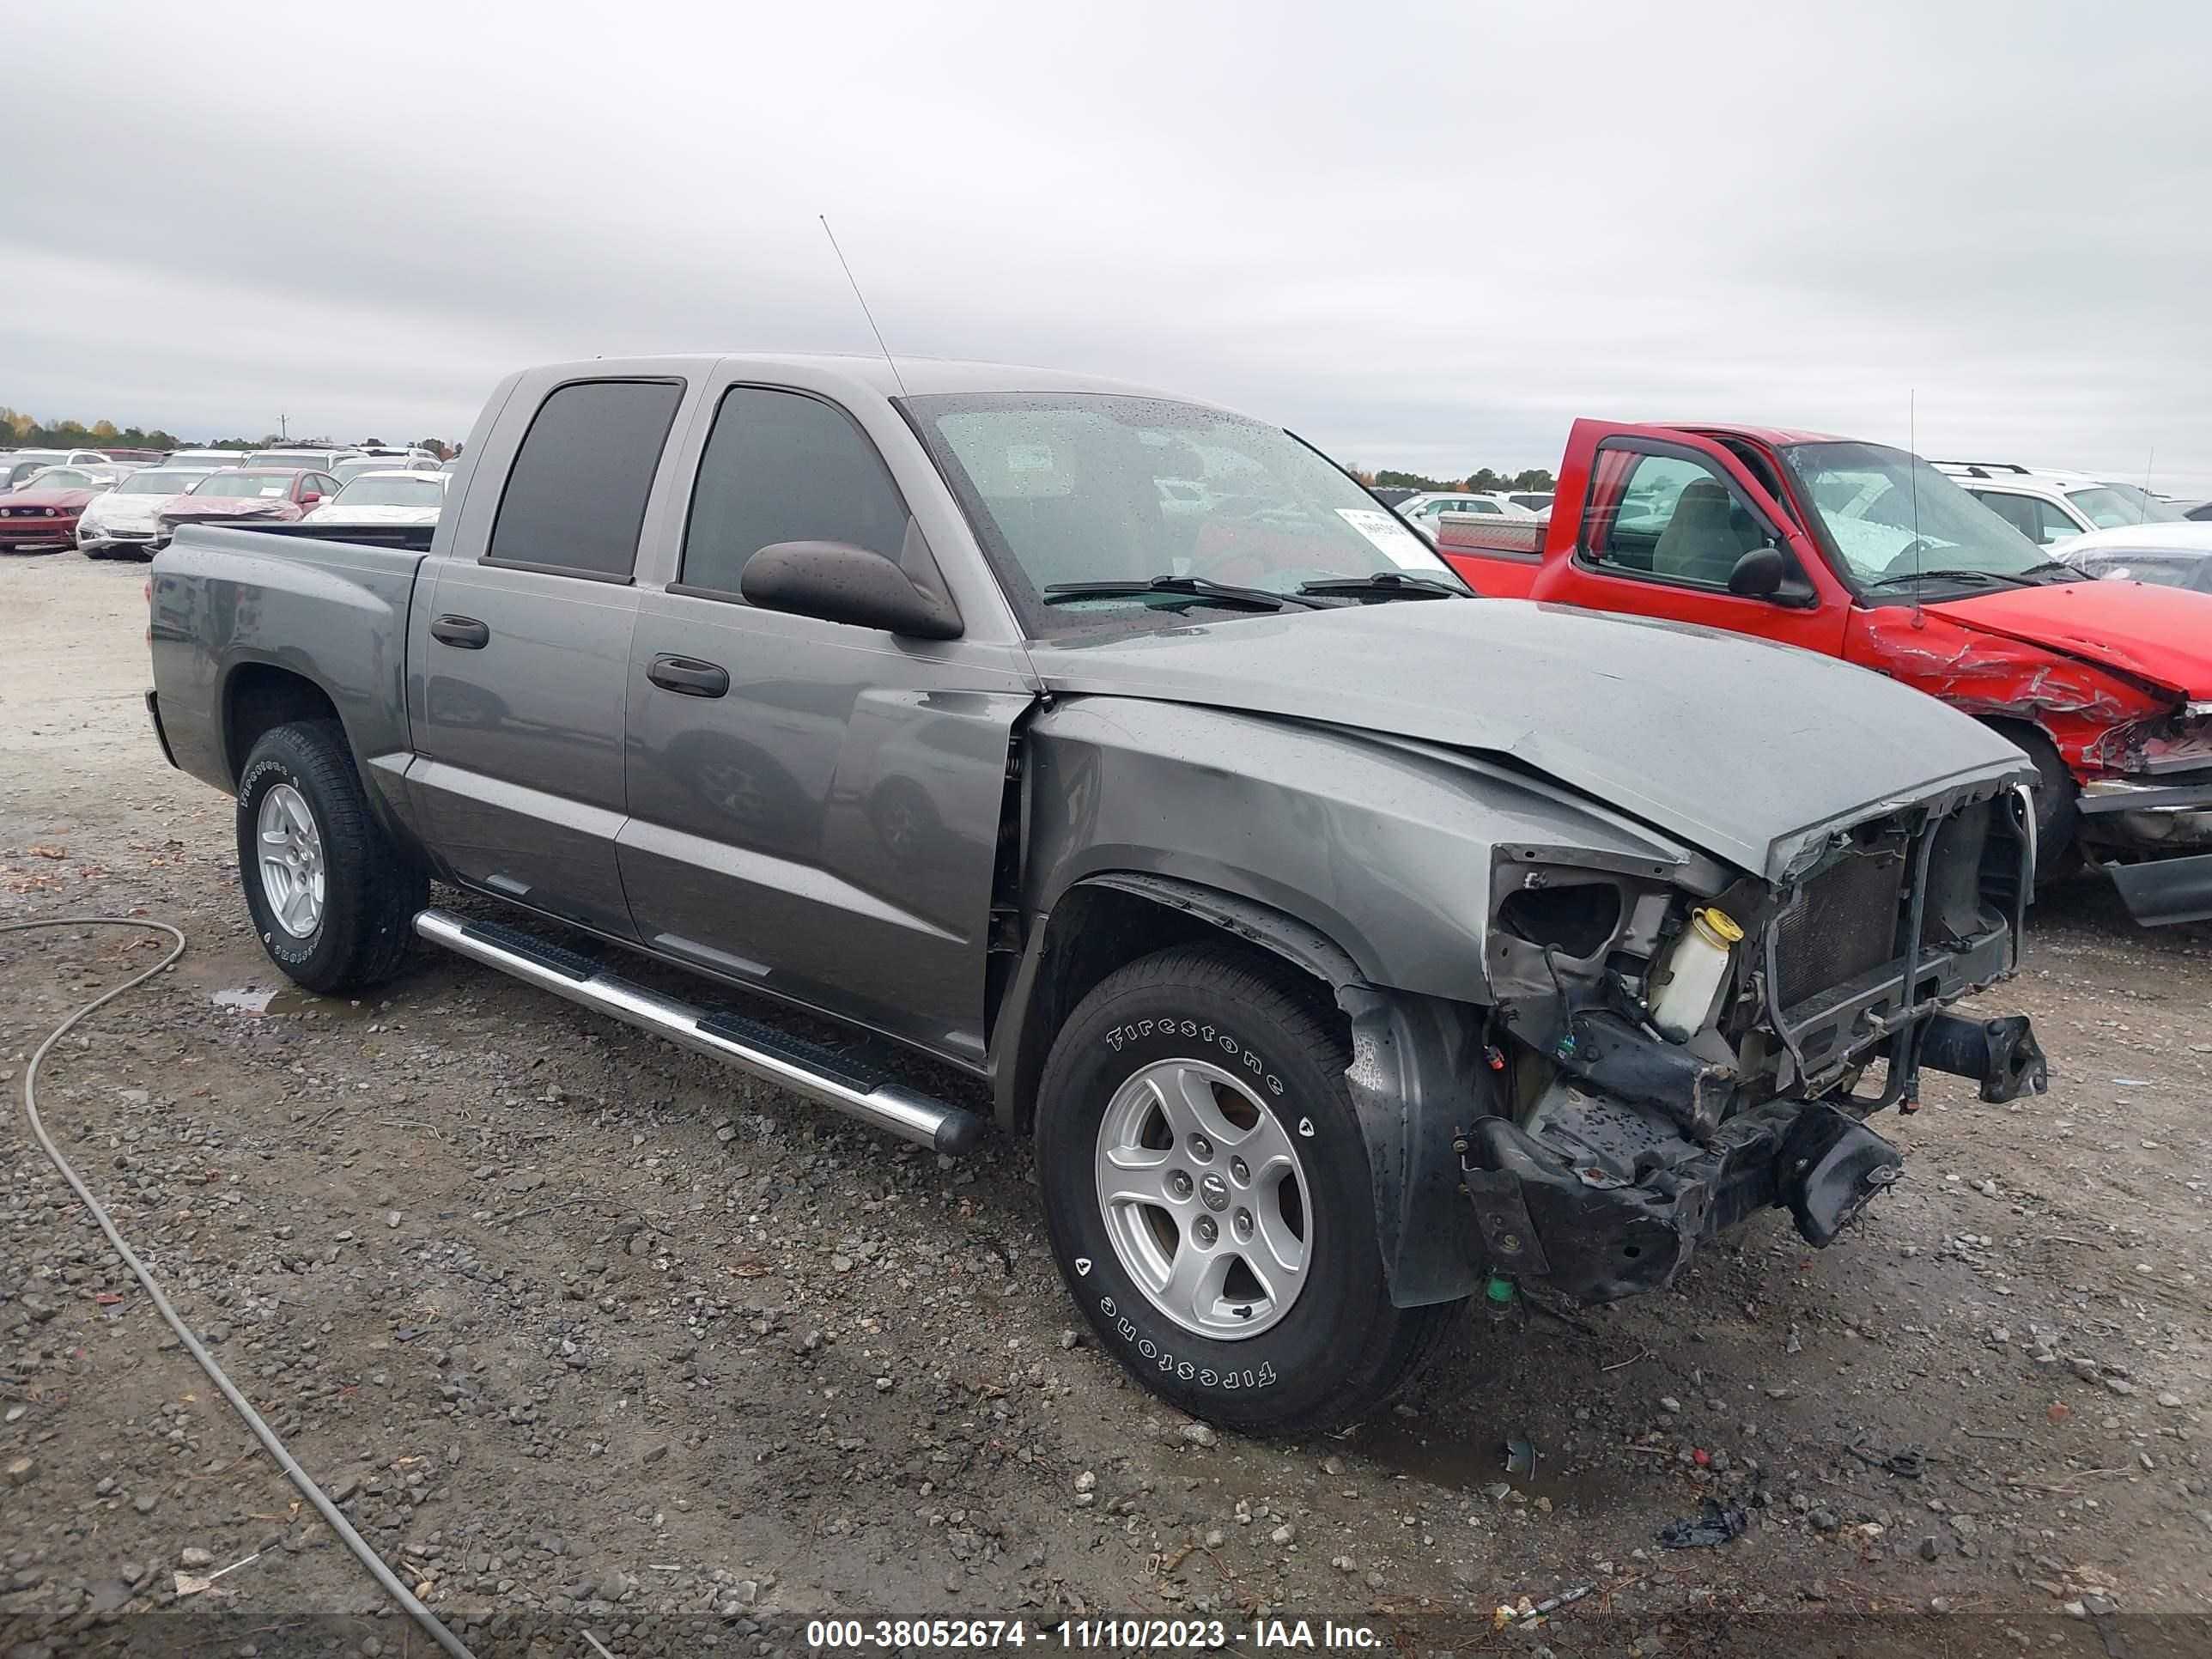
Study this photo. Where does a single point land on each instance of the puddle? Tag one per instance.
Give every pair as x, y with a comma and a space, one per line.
283, 999
1473, 1460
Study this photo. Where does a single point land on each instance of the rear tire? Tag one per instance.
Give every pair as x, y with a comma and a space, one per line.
332, 898
1248, 1040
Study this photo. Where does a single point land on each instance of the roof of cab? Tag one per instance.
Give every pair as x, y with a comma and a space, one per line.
918, 376
1774, 437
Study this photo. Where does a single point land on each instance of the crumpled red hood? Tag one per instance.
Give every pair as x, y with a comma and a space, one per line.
231, 506
40, 500
2159, 633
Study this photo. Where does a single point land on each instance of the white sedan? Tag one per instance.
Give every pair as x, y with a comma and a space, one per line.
1423, 512
123, 520
374, 498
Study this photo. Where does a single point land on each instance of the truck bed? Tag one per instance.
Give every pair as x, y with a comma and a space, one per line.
411, 537
1497, 557
331, 609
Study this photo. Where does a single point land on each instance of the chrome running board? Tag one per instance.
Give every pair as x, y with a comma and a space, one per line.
852, 1086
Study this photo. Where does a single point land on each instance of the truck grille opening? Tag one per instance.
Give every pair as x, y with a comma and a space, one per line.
1844, 923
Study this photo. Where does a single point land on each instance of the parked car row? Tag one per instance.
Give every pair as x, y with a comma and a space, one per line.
108, 509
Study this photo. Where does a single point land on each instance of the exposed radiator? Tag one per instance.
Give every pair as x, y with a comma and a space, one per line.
1843, 923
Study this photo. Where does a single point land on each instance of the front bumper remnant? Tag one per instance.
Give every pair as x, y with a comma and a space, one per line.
2001, 1055
1601, 1198
2159, 892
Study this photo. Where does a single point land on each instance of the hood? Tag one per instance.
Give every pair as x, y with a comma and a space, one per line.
228, 507
128, 512
2163, 634
26, 503
1747, 749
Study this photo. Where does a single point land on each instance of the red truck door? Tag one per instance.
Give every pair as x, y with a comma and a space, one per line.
1656, 522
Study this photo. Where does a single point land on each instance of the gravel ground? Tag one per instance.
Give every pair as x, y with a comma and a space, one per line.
588, 1335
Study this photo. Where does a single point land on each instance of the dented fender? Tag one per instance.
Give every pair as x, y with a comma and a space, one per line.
1995, 674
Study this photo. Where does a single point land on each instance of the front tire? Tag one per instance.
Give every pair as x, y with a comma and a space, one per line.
332, 898
1208, 1194
2057, 816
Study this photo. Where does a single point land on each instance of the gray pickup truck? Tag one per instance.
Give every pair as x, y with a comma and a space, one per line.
1349, 943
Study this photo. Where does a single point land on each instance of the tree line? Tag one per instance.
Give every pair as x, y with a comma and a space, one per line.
1481, 482
22, 431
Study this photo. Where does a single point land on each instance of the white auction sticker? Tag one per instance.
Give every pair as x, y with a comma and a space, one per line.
1397, 544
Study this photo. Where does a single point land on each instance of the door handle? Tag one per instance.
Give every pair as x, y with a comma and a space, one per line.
466, 632
687, 676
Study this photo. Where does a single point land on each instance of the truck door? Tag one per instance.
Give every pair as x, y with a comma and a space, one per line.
815, 806
1661, 519
524, 657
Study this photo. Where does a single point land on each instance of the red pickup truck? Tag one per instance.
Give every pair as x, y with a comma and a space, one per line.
1865, 552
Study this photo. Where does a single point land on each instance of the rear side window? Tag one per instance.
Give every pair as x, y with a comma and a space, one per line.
781, 466
575, 496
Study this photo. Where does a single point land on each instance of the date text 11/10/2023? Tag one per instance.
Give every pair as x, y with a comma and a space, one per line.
1085, 1635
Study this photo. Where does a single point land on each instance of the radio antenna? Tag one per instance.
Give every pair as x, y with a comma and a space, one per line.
2143, 507
1912, 442
863, 299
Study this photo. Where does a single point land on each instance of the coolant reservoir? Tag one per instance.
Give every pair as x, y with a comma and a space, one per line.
1692, 977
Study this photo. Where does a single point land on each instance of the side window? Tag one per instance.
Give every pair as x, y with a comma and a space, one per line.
1660, 515
575, 496
2015, 510
781, 466
2051, 523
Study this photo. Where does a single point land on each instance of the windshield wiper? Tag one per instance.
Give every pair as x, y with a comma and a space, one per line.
1185, 587
2057, 568
1961, 576
1382, 584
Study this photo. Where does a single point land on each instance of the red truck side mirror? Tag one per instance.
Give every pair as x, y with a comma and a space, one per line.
1760, 574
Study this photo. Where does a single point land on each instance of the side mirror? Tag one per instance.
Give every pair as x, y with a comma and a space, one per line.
1760, 574
841, 583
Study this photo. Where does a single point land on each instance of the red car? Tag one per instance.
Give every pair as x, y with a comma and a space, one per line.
246, 496
41, 516
1867, 553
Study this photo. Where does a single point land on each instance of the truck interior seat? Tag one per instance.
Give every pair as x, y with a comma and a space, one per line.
1702, 542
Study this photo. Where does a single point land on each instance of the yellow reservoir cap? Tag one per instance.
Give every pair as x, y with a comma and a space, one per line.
1718, 926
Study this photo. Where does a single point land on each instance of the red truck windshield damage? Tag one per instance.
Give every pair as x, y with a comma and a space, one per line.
1866, 553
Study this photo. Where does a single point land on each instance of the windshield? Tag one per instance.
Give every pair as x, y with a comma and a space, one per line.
1085, 487
243, 486
392, 492
2109, 506
157, 483
288, 456
1888, 513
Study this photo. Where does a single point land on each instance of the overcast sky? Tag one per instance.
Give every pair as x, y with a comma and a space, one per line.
1426, 235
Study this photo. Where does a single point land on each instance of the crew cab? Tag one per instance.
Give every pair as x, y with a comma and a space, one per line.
1349, 943
1866, 553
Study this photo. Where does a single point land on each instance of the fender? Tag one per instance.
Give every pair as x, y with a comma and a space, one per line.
1418, 1079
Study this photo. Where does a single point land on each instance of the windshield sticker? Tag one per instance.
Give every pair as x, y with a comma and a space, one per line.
1029, 457
1391, 539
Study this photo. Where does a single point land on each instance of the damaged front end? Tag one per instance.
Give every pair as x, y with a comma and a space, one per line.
2148, 819
1665, 1057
